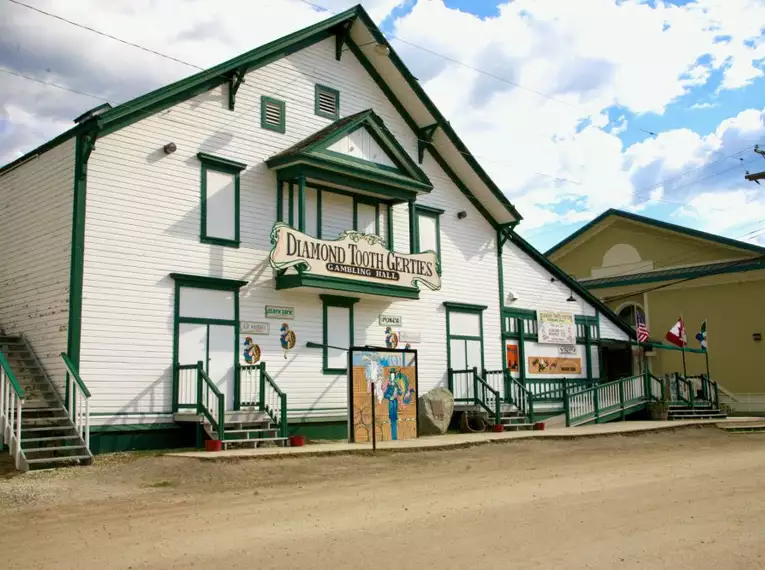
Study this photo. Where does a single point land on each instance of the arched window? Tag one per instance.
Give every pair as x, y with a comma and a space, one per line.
630, 312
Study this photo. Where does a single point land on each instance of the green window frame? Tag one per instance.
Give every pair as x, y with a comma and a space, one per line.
341, 302
452, 308
427, 211
226, 166
322, 95
268, 108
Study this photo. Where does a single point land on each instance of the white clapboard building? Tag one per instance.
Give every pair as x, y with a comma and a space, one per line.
259, 218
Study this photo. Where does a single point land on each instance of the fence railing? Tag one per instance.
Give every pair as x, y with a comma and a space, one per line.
249, 385
188, 377
461, 384
210, 401
78, 400
11, 406
591, 404
496, 379
272, 400
517, 395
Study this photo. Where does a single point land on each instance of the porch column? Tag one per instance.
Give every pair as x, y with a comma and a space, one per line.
588, 351
301, 203
522, 349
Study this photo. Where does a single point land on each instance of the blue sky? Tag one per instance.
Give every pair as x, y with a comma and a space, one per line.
554, 97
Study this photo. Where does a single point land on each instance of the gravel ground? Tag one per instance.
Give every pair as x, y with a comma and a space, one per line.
691, 498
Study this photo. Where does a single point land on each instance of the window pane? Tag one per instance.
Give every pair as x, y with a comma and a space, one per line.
473, 348
310, 212
464, 324
336, 214
366, 217
427, 230
221, 216
338, 334
206, 303
457, 355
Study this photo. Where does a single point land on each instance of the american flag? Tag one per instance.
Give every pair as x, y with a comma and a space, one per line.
642, 330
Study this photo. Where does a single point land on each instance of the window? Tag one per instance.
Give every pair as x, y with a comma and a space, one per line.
327, 102
427, 229
366, 217
272, 114
219, 200
629, 314
338, 332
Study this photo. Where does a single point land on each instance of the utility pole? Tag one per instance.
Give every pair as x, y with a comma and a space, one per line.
757, 176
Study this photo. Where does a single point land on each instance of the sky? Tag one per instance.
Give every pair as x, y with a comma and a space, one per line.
648, 106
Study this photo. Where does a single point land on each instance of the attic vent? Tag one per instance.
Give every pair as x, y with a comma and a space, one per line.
327, 102
272, 114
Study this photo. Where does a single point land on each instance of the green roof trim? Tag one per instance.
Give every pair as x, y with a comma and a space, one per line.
111, 120
728, 242
572, 283
678, 273
317, 146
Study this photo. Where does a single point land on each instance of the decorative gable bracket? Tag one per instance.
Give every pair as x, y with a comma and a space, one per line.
235, 81
425, 139
341, 37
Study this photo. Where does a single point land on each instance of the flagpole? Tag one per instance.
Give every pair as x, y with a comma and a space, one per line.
706, 348
684, 342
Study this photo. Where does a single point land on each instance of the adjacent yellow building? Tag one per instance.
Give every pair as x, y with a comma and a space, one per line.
660, 271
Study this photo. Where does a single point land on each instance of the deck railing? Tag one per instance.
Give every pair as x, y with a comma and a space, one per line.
249, 385
187, 379
11, 406
78, 400
460, 384
592, 404
486, 397
272, 400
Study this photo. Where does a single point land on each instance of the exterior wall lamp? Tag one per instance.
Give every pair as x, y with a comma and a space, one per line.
170, 148
461, 215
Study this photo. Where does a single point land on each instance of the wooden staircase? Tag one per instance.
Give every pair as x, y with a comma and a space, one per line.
49, 437
699, 411
247, 428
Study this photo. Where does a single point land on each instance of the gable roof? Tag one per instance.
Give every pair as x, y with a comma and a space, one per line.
315, 145
356, 30
697, 234
572, 283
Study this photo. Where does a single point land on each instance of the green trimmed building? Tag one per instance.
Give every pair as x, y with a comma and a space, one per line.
208, 251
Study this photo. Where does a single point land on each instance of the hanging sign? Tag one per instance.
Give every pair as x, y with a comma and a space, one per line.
250, 327
553, 365
556, 327
355, 256
273, 312
389, 321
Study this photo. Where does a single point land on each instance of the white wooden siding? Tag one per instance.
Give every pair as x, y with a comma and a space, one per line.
35, 239
143, 223
360, 144
609, 330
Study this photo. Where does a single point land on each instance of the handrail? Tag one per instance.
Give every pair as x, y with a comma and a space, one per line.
11, 404
273, 400
483, 401
590, 403
204, 386
78, 402
566, 385
11, 377
249, 390
73, 371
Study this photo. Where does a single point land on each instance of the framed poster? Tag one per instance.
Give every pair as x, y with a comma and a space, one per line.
555, 327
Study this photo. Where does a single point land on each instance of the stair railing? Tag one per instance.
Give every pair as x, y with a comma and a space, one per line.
591, 404
517, 395
460, 384
272, 400
685, 391
11, 404
210, 401
486, 397
78, 401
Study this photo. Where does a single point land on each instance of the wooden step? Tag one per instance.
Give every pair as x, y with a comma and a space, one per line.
51, 439
28, 450
62, 459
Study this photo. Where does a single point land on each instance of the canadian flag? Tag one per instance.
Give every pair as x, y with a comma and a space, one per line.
676, 334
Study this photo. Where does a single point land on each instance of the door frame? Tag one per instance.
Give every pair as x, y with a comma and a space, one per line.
209, 283
452, 307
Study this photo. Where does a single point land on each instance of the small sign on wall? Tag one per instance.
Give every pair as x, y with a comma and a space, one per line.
251, 327
567, 349
556, 327
553, 365
389, 320
274, 312
409, 337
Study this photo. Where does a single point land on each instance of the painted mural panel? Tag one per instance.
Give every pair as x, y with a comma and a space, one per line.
394, 375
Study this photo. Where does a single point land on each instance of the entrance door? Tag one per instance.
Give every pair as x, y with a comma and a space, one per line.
213, 345
464, 329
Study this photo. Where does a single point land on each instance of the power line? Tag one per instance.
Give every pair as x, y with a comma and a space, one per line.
56, 85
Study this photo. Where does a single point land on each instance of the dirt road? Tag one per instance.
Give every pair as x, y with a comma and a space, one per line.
686, 499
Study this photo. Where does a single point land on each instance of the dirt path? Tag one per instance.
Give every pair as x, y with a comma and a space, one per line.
687, 499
